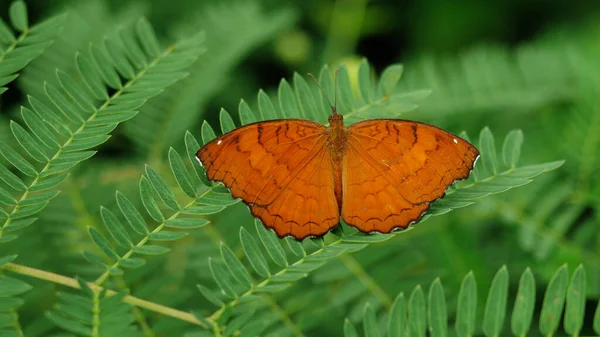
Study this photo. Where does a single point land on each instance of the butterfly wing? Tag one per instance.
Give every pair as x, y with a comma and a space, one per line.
393, 170
282, 170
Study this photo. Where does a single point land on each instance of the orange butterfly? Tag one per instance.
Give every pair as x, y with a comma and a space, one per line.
299, 176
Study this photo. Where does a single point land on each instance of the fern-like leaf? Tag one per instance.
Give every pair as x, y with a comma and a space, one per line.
92, 313
495, 308
78, 115
244, 26
10, 289
154, 190
17, 51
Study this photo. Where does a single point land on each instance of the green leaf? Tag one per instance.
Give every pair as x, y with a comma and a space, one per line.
6, 34
12, 287
48, 182
39, 129
181, 174
576, 298
18, 162
328, 94
221, 278
163, 190
495, 306
18, 15
397, 319
209, 295
235, 324
370, 238
104, 65
29, 144
417, 313
236, 268
226, 121
272, 288
39, 198
186, 223
102, 243
436, 310
202, 210
79, 97
554, 300
349, 329
345, 97
116, 54
68, 324
271, 243
365, 83
6, 259
255, 256
524, 304
287, 100
191, 147
11, 179
10, 304
132, 262
147, 196
265, 106
150, 250
511, 150
389, 78
6, 198
246, 114
370, 327
295, 247
207, 133
147, 38
487, 146
306, 100
91, 76
467, 307
166, 236
131, 214
115, 228
64, 106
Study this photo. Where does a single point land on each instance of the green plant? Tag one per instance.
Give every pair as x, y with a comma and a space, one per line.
136, 241
429, 314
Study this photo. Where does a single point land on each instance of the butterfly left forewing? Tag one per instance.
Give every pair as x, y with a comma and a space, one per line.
394, 169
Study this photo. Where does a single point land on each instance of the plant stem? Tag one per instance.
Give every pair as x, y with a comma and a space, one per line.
71, 282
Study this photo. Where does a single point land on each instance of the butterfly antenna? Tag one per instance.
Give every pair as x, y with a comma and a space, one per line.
333, 107
337, 70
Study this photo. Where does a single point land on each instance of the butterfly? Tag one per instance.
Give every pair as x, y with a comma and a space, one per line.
299, 177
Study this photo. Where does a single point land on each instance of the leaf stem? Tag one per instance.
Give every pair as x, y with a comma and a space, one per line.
72, 283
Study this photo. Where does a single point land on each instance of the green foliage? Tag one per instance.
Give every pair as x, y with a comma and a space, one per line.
416, 322
94, 314
17, 51
63, 126
150, 247
168, 116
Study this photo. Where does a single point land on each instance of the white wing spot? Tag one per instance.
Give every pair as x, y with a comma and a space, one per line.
220, 141
455, 141
199, 161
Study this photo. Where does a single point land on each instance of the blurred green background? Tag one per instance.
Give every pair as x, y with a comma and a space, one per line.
530, 65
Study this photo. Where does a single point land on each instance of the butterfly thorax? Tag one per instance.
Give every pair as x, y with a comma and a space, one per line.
337, 143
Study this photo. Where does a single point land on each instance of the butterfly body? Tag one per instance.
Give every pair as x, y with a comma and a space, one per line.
337, 143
